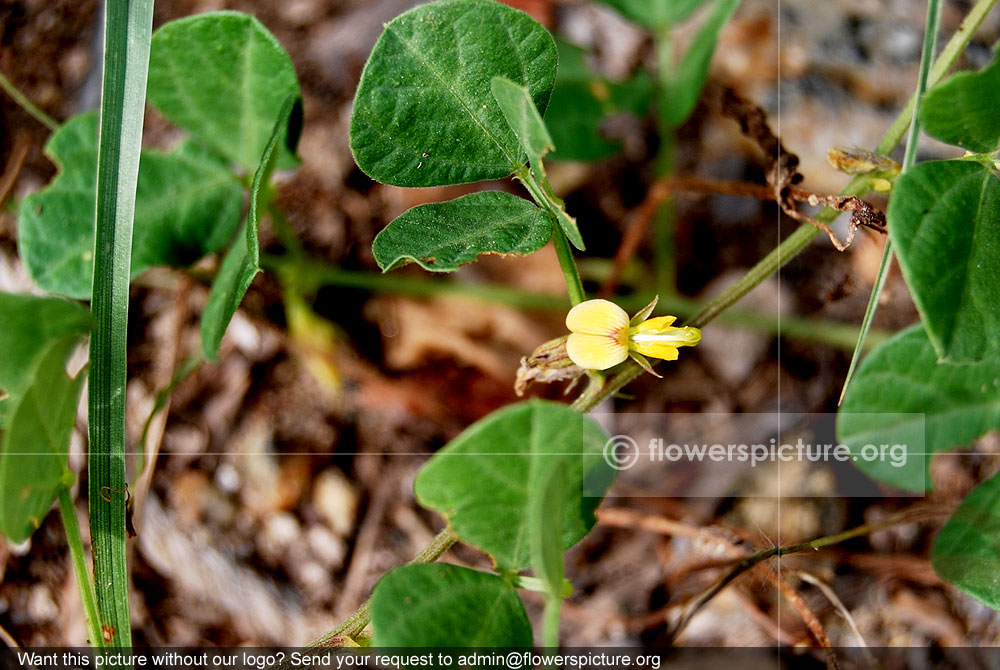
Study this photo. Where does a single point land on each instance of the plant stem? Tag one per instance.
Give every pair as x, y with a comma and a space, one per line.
565, 255
570, 273
79, 557
319, 273
127, 31
27, 105
799, 239
550, 621
926, 55
356, 623
754, 559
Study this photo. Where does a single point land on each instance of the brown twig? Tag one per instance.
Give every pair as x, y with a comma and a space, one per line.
805, 612
13, 168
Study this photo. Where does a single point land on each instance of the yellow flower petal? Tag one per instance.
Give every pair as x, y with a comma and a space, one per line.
658, 339
597, 317
659, 350
657, 323
595, 352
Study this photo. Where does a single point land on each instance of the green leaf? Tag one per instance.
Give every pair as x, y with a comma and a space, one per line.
442, 236
187, 204
963, 110
55, 235
943, 221
654, 14
902, 395
483, 481
242, 262
683, 87
30, 325
424, 114
440, 605
128, 26
966, 552
35, 442
223, 77
523, 118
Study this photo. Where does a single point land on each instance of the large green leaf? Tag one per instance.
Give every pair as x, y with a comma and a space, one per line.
963, 110
944, 220
903, 395
439, 605
187, 204
484, 480
223, 77
967, 550
442, 236
242, 262
424, 114
654, 14
35, 441
682, 88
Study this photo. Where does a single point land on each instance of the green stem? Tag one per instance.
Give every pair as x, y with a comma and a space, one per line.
28, 106
841, 335
754, 559
664, 219
127, 31
574, 285
550, 621
79, 557
356, 623
926, 55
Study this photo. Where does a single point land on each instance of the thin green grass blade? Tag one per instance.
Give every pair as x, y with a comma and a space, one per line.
127, 30
926, 57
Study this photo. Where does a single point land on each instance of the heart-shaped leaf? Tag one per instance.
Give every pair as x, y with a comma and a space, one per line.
223, 77
187, 204
439, 605
242, 262
443, 236
944, 220
484, 480
963, 110
901, 394
424, 114
967, 549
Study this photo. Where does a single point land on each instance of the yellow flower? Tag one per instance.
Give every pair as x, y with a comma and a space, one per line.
602, 336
